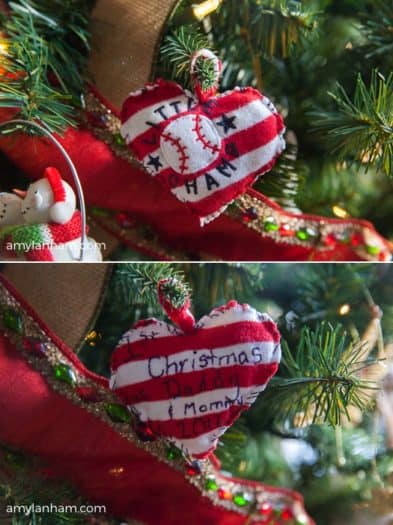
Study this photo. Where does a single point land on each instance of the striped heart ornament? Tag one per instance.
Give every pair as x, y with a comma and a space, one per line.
204, 148
189, 384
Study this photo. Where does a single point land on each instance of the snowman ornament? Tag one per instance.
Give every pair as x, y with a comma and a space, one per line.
10, 215
10, 210
48, 226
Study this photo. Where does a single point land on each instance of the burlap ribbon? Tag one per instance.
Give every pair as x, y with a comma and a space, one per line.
126, 38
66, 296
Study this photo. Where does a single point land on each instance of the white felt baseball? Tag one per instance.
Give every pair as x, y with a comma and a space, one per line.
190, 143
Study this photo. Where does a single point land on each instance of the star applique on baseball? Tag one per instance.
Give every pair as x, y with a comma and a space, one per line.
205, 148
188, 383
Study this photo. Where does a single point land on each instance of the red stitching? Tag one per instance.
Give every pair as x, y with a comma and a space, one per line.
181, 149
202, 138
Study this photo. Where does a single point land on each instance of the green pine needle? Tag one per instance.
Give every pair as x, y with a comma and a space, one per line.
177, 52
136, 283
379, 30
322, 377
362, 128
175, 291
48, 46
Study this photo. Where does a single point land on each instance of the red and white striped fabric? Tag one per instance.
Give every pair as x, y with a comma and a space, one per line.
190, 387
206, 152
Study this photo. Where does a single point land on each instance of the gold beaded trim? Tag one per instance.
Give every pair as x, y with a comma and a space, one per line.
252, 212
19, 327
319, 234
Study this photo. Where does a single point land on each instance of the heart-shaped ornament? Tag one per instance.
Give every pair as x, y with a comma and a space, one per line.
189, 386
205, 149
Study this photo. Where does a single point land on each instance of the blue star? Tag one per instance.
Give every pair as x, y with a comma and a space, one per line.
227, 123
155, 162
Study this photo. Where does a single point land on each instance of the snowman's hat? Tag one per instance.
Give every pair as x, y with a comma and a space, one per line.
62, 209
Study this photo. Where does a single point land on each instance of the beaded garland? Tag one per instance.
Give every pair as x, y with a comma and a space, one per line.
254, 213
318, 233
263, 505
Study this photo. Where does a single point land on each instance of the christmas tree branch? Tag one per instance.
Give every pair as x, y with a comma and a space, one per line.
135, 283
44, 59
362, 128
322, 378
379, 30
177, 52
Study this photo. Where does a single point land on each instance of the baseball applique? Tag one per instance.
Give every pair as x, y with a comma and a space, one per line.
189, 384
205, 148
193, 152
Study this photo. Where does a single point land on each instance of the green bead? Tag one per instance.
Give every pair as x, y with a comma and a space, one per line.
211, 484
373, 250
270, 226
118, 413
119, 140
173, 453
13, 320
239, 500
65, 374
302, 235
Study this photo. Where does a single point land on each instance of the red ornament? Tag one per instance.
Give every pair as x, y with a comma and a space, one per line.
208, 149
193, 411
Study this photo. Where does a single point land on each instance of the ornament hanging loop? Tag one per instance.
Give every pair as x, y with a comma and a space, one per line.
205, 54
45, 131
180, 315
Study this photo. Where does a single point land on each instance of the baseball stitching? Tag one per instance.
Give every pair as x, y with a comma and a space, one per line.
206, 144
181, 149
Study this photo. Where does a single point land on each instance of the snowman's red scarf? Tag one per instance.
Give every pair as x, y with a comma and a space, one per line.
35, 241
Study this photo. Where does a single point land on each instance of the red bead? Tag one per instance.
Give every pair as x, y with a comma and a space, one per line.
124, 220
224, 494
144, 432
330, 240
251, 214
97, 119
34, 346
88, 393
266, 509
285, 231
357, 239
287, 515
193, 469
